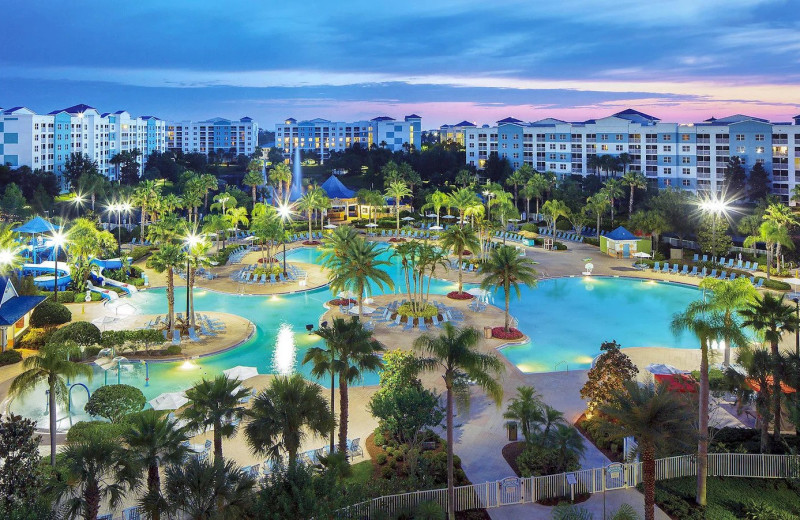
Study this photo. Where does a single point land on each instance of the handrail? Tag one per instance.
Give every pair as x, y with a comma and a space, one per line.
555, 368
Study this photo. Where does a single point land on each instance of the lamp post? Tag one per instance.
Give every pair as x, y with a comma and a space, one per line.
191, 241
58, 240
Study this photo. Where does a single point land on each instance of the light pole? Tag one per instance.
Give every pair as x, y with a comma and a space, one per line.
58, 240
285, 212
191, 241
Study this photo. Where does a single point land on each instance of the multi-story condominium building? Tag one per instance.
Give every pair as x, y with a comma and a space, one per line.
322, 136
454, 133
235, 137
46, 141
689, 156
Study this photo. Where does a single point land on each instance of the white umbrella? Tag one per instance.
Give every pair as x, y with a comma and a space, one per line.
793, 281
436, 228
169, 401
480, 293
103, 321
407, 219
662, 369
372, 225
347, 294
249, 238
514, 220
365, 310
449, 217
431, 215
240, 372
642, 254
330, 226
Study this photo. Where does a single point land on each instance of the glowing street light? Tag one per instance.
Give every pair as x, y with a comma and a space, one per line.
7, 259
716, 206
118, 208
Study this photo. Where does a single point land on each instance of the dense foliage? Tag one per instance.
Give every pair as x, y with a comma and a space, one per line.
115, 401
609, 372
48, 314
81, 333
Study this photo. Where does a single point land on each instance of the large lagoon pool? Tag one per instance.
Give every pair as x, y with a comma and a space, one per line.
566, 318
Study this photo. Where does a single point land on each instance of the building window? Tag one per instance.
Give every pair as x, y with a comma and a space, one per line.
759, 137
687, 171
740, 149
667, 171
619, 137
667, 160
619, 147
686, 148
604, 147
759, 149
686, 182
604, 137
686, 160
740, 137
667, 148
667, 137
686, 137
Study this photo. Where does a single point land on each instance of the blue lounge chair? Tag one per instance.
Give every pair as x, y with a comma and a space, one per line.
739, 264
747, 266
704, 272
695, 257
263, 279
722, 275
131, 513
409, 324
193, 335
657, 266
730, 263
760, 283
674, 269
685, 269
205, 331
176, 337
705, 258
665, 269
694, 271
755, 266
271, 278
713, 273
396, 322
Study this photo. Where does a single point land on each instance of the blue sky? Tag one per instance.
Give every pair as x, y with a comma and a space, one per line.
449, 60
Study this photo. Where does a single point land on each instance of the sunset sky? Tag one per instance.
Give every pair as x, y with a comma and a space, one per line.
447, 60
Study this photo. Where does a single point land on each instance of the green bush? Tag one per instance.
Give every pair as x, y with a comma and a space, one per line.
35, 338
82, 333
139, 252
95, 430
173, 350
428, 312
80, 297
537, 460
115, 401
775, 284
9, 357
716, 378
378, 439
591, 241
558, 246
381, 458
66, 296
92, 351
48, 314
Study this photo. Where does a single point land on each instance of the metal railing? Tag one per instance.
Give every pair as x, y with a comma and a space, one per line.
515, 490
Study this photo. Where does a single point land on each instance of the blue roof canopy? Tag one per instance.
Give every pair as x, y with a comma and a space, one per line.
37, 225
336, 190
621, 234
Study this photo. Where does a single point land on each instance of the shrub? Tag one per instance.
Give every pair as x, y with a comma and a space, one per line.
558, 246
66, 296
115, 401
80, 297
381, 459
173, 350
95, 430
137, 253
378, 439
9, 357
48, 314
775, 284
537, 460
429, 311
35, 338
82, 333
500, 333
591, 241
92, 351
342, 301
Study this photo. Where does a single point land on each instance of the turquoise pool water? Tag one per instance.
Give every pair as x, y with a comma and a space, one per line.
566, 318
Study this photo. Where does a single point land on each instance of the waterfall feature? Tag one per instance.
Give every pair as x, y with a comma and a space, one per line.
297, 176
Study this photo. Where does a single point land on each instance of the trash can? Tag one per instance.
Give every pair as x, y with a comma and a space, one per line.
512, 431
487, 332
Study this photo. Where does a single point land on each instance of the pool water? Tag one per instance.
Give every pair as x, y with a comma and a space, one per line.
567, 319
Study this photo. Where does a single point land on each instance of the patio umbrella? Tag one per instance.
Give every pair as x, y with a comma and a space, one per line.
346, 294
407, 219
365, 310
641, 254
102, 321
241, 372
431, 215
371, 225
449, 217
480, 293
793, 281
330, 226
514, 220
169, 401
436, 228
662, 369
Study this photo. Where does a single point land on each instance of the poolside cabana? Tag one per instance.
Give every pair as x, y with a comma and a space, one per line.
33, 227
621, 243
15, 313
344, 203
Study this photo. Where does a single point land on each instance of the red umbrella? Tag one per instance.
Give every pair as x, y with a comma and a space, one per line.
682, 383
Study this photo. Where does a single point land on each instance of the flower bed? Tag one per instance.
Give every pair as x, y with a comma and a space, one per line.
311, 243
267, 260
396, 239
500, 333
428, 312
466, 252
341, 301
455, 295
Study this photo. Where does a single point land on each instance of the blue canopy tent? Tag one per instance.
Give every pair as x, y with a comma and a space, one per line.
35, 226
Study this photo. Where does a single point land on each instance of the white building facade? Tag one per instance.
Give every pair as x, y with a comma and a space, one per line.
46, 141
687, 156
322, 136
213, 135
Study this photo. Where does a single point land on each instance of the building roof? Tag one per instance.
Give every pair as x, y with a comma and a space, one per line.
336, 190
509, 120
382, 118
13, 306
75, 109
634, 115
413, 116
621, 234
36, 225
151, 117
246, 119
465, 123
10, 111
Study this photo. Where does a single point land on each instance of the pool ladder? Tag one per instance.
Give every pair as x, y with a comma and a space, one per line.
562, 362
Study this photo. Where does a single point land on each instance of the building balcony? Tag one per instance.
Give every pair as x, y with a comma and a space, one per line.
723, 141
703, 163
651, 163
703, 141
780, 178
780, 141
634, 140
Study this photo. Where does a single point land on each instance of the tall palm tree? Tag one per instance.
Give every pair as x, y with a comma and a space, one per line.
207, 183
771, 317
771, 234
397, 190
216, 404
553, 210
359, 269
223, 201
456, 240
351, 351
154, 441
280, 176
538, 186
506, 270
519, 178
283, 415
95, 471
146, 195
166, 259
254, 177
236, 216
525, 410
635, 180
465, 201
759, 366
728, 297
10, 249
436, 201
52, 365
455, 353
597, 205
783, 218
613, 190
566, 439
308, 203
203, 490
706, 325
197, 256
656, 417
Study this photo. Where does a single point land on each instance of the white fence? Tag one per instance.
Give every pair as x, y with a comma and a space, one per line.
615, 476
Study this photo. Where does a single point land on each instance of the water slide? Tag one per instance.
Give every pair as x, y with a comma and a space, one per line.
111, 263
105, 293
44, 274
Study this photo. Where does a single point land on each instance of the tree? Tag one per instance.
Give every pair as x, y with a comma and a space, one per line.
610, 371
436, 201
464, 178
113, 402
216, 404
236, 216
525, 410
167, 258
146, 196
519, 178
254, 177
78, 165
735, 176
127, 163
13, 201
783, 218
85, 243
673, 205
283, 415
758, 182
597, 205
656, 418
613, 190
280, 176
358, 269
759, 366
456, 239
466, 203
92, 184
454, 353
728, 297
634, 180
51, 365
771, 317
202, 490
770, 234
153, 441
712, 235
538, 185
20, 478
553, 210
506, 269
96, 471
397, 190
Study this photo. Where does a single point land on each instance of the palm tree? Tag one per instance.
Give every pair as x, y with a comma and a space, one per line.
146, 195
281, 176
636, 181
728, 297
207, 183
283, 415
52, 365
397, 190
353, 351
236, 216
216, 404
653, 415
597, 205
10, 249
593, 162
193, 192
222, 201
95, 471
771, 234
197, 256
566, 439
358, 270
436, 201
782, 217
167, 258
254, 177
308, 203
465, 178
456, 240
613, 190
455, 353
553, 210
771, 317
154, 441
538, 186
506, 269
519, 178
707, 325
465, 201
202, 490
94, 184
525, 410
759, 367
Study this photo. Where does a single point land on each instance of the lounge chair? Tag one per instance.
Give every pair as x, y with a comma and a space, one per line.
665, 269
176, 337
704, 272
746, 266
271, 278
713, 273
264, 279
705, 258
755, 266
131, 513
730, 263
409, 324
396, 322
695, 257
685, 269
656, 266
354, 448
193, 335
760, 283
722, 275
693, 271
205, 330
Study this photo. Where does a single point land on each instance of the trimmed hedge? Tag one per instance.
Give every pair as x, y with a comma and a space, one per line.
115, 401
66, 296
173, 350
48, 314
83, 431
9, 357
137, 253
82, 333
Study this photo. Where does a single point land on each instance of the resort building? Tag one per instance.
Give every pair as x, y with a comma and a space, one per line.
15, 313
217, 135
690, 156
46, 141
450, 134
322, 136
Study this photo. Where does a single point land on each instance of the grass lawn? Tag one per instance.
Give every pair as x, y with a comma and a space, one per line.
362, 473
730, 498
